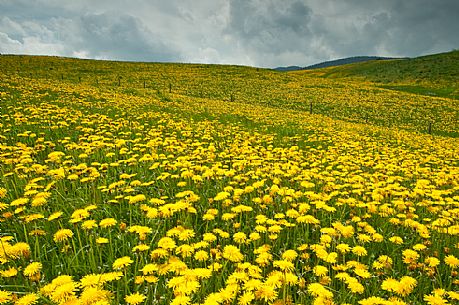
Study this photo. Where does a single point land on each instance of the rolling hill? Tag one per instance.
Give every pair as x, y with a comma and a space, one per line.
434, 75
333, 63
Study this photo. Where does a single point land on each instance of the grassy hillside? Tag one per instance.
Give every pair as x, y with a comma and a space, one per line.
134, 183
346, 98
434, 75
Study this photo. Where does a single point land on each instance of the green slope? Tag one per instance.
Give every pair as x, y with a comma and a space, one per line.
434, 75
342, 93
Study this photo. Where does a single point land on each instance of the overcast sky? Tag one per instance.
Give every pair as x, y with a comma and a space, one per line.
263, 33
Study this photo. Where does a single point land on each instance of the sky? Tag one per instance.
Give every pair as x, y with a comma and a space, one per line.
262, 33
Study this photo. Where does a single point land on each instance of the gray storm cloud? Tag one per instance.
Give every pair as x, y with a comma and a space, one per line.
264, 33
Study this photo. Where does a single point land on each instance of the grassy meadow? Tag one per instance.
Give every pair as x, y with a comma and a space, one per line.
148, 183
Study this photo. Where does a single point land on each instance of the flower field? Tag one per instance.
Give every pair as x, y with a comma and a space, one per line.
190, 184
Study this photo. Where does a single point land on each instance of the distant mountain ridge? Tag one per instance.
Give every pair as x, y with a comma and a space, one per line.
334, 63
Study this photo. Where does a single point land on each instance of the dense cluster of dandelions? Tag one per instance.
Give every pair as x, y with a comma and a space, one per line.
123, 199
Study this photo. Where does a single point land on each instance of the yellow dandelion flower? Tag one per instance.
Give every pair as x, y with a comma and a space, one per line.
410, 256
28, 299
396, 240
149, 269
343, 248
55, 216
122, 262
11, 272
240, 237
166, 243
435, 299
91, 280
33, 269
181, 300
232, 253
19, 202
284, 265
318, 290
201, 255
158, 253
111, 276
222, 196
94, 296
320, 270
5, 296
140, 248
107, 222
246, 298
452, 261
137, 198
63, 235
266, 293
135, 298
290, 255
407, 284
419, 247
354, 285
453, 295
64, 292
89, 224
359, 251
102, 240
186, 235
432, 261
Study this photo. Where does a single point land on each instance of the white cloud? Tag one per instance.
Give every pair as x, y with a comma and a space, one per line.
264, 33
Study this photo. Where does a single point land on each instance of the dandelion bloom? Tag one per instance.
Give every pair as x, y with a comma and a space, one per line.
166, 243
3, 192
320, 270
94, 295
452, 261
89, 224
149, 269
284, 265
91, 280
396, 240
122, 262
240, 237
354, 285
232, 253
32, 271
267, 293
289, 255
5, 296
65, 292
359, 251
181, 300
201, 255
135, 298
246, 298
140, 248
11, 272
54, 216
221, 196
102, 240
28, 299
318, 290
410, 256
137, 198
107, 222
435, 299
407, 284
63, 235
390, 284
432, 261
